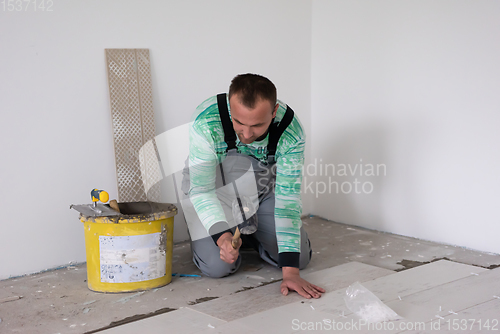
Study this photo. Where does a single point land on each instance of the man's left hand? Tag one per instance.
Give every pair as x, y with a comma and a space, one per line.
293, 281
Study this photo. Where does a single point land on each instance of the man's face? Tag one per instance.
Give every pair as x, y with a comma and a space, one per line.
251, 124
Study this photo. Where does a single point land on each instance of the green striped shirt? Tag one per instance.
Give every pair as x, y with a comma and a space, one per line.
207, 148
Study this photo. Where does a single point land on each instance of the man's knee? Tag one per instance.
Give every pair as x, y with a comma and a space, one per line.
216, 268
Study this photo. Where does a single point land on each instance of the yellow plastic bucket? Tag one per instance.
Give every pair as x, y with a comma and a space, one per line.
130, 252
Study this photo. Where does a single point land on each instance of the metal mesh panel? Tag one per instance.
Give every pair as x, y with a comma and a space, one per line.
131, 99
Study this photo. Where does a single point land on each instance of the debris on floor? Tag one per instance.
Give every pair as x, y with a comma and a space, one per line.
126, 299
201, 300
10, 299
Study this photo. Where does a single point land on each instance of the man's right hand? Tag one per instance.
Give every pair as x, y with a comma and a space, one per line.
227, 252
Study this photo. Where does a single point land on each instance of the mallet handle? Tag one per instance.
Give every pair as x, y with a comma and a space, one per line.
236, 238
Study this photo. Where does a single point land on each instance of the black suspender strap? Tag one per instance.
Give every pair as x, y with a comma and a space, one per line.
227, 125
277, 130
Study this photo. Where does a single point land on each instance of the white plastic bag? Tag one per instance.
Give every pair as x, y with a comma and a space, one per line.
366, 305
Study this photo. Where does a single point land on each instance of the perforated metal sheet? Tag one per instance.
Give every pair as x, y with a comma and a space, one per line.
131, 99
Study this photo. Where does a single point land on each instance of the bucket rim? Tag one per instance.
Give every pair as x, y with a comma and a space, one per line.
158, 211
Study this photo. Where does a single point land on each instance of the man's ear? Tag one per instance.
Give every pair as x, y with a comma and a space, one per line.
275, 109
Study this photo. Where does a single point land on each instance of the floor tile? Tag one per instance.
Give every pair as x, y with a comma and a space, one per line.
184, 321
420, 278
481, 318
292, 318
458, 295
330, 310
264, 298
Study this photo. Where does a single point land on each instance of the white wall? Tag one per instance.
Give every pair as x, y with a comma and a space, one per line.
56, 128
413, 85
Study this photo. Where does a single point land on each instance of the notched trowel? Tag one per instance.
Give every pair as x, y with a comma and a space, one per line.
245, 216
96, 209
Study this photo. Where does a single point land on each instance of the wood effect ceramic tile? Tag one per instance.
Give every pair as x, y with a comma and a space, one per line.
434, 313
306, 315
489, 310
331, 303
264, 310
302, 318
353, 324
344, 321
458, 295
292, 318
420, 278
334, 314
184, 321
412, 313
264, 298
481, 318
233, 327
332, 279
392, 287
332, 306
460, 318
404, 285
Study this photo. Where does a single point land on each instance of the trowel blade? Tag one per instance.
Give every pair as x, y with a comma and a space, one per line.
100, 211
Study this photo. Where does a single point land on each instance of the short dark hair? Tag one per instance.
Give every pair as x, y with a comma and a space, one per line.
250, 87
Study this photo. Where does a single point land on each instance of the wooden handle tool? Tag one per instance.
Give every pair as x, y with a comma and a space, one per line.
236, 238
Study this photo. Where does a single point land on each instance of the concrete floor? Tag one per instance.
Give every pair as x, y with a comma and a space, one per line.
59, 301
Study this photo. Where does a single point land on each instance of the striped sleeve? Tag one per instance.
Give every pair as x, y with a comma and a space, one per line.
202, 164
288, 203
